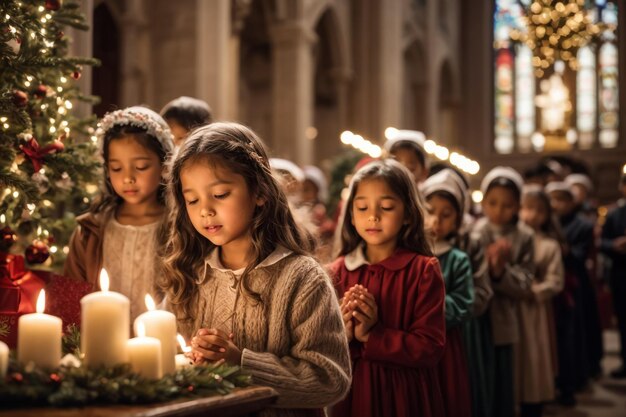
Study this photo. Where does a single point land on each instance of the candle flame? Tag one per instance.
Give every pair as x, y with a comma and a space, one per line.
182, 343
104, 280
41, 301
150, 303
141, 329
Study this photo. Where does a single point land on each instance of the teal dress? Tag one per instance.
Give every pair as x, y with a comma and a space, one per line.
477, 336
453, 370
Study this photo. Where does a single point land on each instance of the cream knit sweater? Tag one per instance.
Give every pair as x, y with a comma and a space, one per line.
294, 340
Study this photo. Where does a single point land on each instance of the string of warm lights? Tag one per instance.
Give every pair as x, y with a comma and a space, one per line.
360, 143
441, 152
555, 30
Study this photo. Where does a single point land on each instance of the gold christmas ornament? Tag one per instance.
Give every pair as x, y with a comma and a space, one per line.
555, 30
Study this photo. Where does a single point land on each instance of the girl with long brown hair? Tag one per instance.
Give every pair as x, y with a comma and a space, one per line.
392, 297
239, 278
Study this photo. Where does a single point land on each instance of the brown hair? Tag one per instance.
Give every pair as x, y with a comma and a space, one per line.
551, 226
108, 198
239, 149
411, 235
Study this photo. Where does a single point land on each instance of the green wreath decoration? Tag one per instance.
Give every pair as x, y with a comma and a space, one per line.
79, 386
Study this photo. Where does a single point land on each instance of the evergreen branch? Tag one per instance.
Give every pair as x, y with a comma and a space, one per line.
71, 386
26, 188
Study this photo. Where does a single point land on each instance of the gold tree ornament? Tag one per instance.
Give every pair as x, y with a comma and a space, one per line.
556, 30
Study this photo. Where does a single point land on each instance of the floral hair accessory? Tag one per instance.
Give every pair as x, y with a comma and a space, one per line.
141, 117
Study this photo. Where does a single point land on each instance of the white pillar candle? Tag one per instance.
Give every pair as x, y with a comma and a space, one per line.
161, 325
105, 326
39, 337
4, 359
144, 354
181, 360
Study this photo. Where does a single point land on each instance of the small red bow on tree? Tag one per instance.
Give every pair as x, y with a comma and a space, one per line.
36, 154
11, 266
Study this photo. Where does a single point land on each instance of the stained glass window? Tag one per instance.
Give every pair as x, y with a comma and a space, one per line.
555, 106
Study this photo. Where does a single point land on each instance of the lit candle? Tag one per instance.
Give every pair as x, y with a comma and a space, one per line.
181, 360
162, 325
4, 359
105, 326
144, 354
39, 337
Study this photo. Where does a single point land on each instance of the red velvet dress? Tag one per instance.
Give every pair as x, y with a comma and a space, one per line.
395, 372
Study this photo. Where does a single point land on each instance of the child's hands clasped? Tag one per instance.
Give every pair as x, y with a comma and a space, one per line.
498, 255
346, 314
213, 345
360, 312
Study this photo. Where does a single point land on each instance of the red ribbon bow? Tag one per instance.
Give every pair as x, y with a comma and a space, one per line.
11, 266
36, 154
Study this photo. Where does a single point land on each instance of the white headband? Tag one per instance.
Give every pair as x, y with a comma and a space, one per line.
288, 166
444, 181
580, 179
561, 186
141, 117
411, 136
502, 172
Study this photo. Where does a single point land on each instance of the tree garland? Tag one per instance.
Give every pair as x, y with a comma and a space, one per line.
79, 386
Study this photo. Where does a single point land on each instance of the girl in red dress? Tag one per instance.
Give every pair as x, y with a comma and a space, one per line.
392, 298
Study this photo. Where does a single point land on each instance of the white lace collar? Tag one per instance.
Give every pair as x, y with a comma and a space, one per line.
355, 259
213, 260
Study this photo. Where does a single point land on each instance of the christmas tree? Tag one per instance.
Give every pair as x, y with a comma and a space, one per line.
47, 160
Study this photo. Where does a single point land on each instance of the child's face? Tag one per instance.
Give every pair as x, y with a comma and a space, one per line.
377, 213
179, 132
134, 170
500, 205
309, 192
562, 203
533, 212
580, 193
219, 204
410, 160
441, 217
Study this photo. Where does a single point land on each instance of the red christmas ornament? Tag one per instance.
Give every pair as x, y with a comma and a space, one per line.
55, 377
37, 253
17, 377
7, 238
20, 98
76, 75
52, 5
41, 91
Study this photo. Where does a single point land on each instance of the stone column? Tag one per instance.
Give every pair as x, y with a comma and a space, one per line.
342, 77
431, 106
135, 43
390, 67
217, 72
376, 95
292, 91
